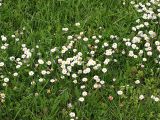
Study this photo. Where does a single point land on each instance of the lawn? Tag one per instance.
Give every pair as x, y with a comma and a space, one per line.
80, 60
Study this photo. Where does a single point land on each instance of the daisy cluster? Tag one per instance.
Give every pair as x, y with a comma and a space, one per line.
0, 3
81, 69
84, 60
144, 46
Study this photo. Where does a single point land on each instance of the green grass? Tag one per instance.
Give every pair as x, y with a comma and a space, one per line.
43, 21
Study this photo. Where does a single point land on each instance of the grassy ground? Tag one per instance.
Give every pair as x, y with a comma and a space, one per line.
43, 21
